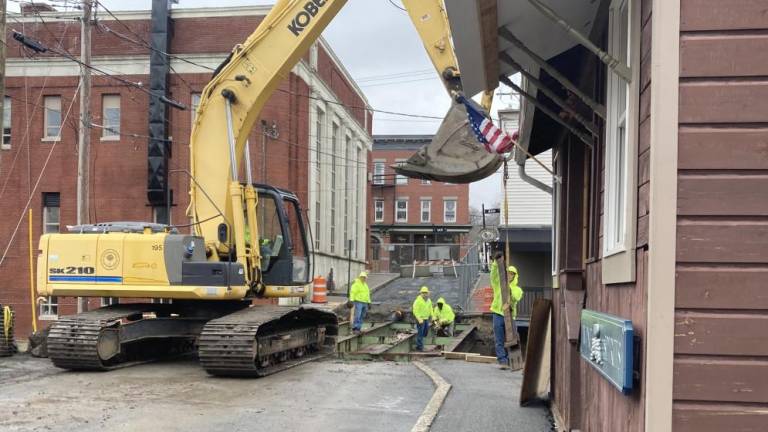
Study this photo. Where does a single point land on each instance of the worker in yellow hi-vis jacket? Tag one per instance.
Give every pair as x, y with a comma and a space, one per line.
443, 318
497, 308
422, 311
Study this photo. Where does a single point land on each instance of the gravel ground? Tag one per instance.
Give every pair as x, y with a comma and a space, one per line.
179, 396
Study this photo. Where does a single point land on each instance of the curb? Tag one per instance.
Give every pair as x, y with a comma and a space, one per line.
442, 387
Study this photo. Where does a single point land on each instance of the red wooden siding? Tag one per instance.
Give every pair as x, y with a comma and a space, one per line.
721, 354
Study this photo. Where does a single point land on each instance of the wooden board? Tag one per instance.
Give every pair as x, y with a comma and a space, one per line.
481, 359
536, 373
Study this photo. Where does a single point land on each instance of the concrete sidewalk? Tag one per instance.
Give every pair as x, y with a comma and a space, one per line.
485, 398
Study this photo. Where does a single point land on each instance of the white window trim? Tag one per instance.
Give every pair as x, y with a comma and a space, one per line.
46, 316
46, 137
397, 219
429, 209
455, 210
105, 129
7, 107
378, 178
618, 264
376, 202
400, 180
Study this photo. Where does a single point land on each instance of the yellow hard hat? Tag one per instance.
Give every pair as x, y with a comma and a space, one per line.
363, 274
424, 289
512, 269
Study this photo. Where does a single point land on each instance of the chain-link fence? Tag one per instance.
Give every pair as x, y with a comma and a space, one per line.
467, 272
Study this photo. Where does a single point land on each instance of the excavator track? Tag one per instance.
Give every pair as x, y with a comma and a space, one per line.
263, 340
120, 336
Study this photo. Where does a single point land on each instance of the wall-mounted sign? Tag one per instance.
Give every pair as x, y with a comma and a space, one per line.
492, 211
607, 345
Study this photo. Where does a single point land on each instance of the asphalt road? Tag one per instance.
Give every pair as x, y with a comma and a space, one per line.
402, 292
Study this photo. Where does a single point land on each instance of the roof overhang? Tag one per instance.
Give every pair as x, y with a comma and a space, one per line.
480, 31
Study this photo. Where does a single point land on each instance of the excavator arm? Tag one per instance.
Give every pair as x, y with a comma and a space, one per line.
234, 98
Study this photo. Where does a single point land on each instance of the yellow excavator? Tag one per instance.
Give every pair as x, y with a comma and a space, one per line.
248, 240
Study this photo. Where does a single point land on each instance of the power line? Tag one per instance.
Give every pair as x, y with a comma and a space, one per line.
397, 6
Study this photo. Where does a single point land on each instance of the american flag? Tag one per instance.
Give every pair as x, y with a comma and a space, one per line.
494, 139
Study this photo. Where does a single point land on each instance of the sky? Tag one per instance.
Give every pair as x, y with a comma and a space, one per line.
379, 47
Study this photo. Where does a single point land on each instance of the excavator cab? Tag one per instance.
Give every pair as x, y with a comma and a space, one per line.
282, 238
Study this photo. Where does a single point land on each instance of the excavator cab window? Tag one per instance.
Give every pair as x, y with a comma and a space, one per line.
282, 240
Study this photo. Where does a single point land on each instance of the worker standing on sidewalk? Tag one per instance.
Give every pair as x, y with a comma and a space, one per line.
422, 311
497, 309
443, 318
360, 297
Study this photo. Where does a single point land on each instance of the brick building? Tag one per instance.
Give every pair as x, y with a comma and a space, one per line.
320, 150
412, 219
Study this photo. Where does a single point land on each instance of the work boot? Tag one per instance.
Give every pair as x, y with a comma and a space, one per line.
504, 365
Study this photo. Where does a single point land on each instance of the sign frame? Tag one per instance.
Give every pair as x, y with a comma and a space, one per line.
607, 344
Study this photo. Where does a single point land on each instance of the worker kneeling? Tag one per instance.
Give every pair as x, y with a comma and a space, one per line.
422, 311
443, 318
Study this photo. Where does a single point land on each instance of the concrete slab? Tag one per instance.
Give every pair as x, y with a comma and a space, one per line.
484, 398
179, 396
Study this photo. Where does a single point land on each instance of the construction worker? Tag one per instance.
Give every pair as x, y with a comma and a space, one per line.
443, 317
498, 308
422, 311
360, 296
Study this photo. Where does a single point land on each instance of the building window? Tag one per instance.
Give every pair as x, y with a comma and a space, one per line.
51, 204
109, 301
195, 102
52, 119
110, 105
378, 173
449, 211
426, 182
49, 308
334, 163
426, 211
400, 179
348, 191
319, 125
401, 210
6, 144
378, 211
619, 128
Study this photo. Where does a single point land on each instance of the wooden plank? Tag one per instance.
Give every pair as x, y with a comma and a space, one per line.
721, 287
723, 15
642, 231
644, 140
723, 333
723, 102
719, 241
698, 417
704, 379
454, 355
536, 375
642, 200
481, 359
724, 55
644, 168
722, 195
722, 148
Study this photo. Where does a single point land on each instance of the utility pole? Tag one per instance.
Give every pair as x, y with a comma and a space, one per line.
3, 7
84, 131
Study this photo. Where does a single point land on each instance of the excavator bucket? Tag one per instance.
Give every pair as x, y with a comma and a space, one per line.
454, 155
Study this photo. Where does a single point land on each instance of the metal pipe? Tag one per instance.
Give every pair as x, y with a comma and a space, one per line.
506, 58
612, 62
596, 107
248, 174
530, 180
231, 139
583, 137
